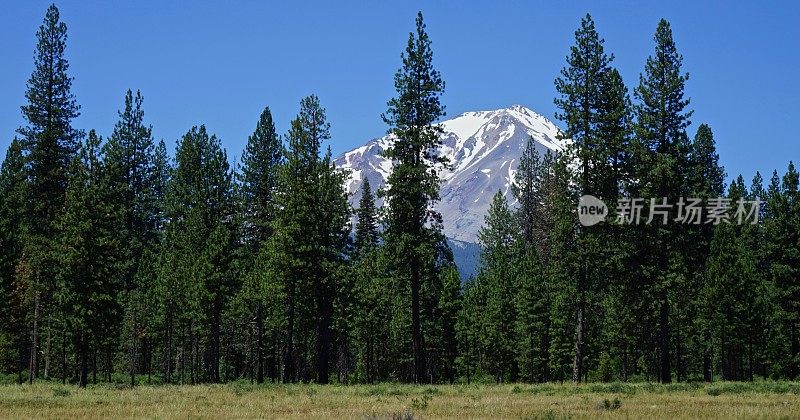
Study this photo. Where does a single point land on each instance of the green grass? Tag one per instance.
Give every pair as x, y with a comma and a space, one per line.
389, 401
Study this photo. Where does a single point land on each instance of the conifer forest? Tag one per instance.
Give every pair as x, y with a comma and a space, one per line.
127, 260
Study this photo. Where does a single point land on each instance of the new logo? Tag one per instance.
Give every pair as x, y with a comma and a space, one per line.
591, 210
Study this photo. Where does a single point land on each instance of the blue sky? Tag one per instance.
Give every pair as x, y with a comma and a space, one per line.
220, 63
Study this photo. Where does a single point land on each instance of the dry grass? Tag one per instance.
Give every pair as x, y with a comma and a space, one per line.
242, 400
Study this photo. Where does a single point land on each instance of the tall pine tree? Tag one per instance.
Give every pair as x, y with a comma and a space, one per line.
50, 142
412, 227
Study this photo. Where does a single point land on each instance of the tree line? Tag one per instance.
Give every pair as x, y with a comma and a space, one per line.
123, 263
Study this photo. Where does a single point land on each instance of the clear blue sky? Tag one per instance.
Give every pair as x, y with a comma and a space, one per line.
220, 63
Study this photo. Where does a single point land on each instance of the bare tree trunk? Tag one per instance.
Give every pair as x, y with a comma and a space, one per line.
168, 361
416, 330
325, 308
577, 363
148, 359
84, 361
132, 355
48, 347
288, 358
215, 344
707, 362
34, 340
665, 374
63, 348
109, 363
191, 352
259, 344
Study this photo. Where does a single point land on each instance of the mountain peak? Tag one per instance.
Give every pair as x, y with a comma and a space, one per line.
520, 108
483, 147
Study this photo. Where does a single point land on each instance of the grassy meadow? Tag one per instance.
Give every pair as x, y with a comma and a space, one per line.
394, 401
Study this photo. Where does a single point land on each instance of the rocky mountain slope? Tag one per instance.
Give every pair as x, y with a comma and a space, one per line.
483, 147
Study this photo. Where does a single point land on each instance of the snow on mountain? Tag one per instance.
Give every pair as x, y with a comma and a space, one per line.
483, 147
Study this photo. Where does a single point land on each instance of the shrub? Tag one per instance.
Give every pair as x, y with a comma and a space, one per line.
610, 405
61, 392
421, 403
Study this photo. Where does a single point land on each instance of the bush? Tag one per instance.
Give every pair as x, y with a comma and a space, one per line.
610, 405
421, 403
61, 392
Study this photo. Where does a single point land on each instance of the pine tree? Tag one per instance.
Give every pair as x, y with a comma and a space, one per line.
366, 236
535, 188
310, 240
89, 250
661, 121
413, 185
13, 184
582, 89
196, 276
783, 255
50, 142
130, 175
497, 238
261, 162
706, 181
367, 318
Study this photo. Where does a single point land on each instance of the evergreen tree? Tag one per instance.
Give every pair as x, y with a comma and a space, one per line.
261, 162
366, 236
583, 103
89, 255
196, 280
130, 175
412, 227
661, 121
50, 142
311, 235
497, 239
783, 255
706, 181
13, 184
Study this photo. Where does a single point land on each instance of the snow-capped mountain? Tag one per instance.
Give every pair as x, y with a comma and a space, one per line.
483, 147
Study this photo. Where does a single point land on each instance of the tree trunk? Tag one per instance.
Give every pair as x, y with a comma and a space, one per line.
48, 347
678, 355
795, 349
416, 330
34, 340
325, 308
288, 357
21, 349
192, 354
168, 349
272, 361
109, 363
148, 360
132, 354
84, 361
577, 363
215, 352
63, 349
259, 344
665, 374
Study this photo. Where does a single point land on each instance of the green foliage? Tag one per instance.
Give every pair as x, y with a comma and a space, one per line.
610, 404
413, 229
123, 265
